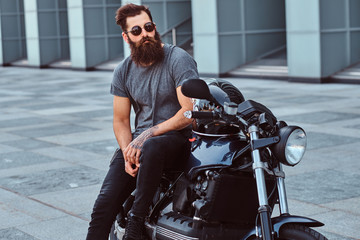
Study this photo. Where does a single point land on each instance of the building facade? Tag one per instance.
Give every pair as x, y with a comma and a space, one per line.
316, 38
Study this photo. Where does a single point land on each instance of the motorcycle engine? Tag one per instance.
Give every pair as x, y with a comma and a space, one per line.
219, 197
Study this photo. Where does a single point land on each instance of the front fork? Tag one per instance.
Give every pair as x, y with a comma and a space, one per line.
264, 210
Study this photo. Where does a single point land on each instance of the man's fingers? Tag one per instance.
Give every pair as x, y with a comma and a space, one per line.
130, 170
137, 157
126, 153
131, 155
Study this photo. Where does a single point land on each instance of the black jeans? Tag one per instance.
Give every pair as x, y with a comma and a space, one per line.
168, 151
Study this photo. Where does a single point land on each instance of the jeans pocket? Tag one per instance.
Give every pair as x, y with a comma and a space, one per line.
117, 151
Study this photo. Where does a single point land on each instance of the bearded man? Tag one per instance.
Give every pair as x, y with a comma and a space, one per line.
149, 80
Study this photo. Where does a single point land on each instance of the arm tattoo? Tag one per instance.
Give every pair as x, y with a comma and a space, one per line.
138, 142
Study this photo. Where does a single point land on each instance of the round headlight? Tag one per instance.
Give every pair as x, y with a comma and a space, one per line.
295, 146
292, 145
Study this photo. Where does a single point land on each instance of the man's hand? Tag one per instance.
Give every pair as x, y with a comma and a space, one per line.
133, 151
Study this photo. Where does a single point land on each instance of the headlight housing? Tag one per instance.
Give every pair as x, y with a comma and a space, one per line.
292, 145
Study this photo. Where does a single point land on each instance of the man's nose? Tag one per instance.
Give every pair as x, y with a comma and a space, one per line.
144, 33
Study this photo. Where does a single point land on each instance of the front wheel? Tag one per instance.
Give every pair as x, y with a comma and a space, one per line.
299, 232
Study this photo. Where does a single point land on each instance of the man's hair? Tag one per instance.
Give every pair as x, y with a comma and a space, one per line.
129, 10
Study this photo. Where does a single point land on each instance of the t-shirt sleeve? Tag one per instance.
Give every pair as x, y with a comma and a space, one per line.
118, 87
183, 66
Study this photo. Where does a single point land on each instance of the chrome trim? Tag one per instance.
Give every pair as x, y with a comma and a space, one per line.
173, 235
283, 204
258, 169
119, 231
220, 135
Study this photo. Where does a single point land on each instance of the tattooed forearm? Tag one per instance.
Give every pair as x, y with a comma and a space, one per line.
140, 140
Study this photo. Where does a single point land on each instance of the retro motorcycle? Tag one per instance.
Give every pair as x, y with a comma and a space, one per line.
234, 176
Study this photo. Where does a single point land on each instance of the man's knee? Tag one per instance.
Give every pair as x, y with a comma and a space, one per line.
153, 150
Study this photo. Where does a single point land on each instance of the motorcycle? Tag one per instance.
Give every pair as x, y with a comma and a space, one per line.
234, 176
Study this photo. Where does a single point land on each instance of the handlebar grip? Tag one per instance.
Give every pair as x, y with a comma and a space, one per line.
200, 115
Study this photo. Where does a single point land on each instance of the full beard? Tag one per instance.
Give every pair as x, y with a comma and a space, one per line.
147, 51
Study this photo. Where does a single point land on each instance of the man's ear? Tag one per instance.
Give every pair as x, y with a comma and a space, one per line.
125, 37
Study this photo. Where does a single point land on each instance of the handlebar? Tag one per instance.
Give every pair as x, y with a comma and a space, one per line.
201, 115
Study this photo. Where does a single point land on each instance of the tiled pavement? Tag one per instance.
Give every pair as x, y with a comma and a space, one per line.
56, 141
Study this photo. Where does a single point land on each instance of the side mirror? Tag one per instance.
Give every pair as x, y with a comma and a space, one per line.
196, 88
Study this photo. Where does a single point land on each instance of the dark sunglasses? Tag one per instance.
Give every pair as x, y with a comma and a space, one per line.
136, 30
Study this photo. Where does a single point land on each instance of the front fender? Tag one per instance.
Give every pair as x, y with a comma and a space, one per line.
278, 222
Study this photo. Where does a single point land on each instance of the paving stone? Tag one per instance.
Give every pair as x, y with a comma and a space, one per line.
17, 102
11, 217
76, 200
22, 158
22, 122
94, 114
324, 186
67, 110
332, 236
5, 114
320, 117
340, 223
351, 205
53, 180
73, 111
98, 123
320, 140
28, 144
51, 131
65, 228
82, 137
354, 126
69, 154
40, 167
308, 99
48, 105
4, 137
99, 147
14, 202
15, 234
6, 149
101, 164
300, 208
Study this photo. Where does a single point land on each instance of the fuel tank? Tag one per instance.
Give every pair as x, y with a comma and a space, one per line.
214, 149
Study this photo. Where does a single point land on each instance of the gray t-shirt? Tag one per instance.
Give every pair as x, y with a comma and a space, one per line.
152, 90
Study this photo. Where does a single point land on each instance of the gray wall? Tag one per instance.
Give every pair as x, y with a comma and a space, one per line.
12, 31
340, 34
244, 36
168, 14
94, 36
46, 31
321, 36
235, 32
102, 36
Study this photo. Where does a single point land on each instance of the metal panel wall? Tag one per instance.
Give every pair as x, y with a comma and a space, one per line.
205, 33
94, 36
102, 36
244, 31
46, 31
12, 31
169, 14
303, 38
323, 37
335, 36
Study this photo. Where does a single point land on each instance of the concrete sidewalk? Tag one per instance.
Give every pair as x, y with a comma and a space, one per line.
56, 141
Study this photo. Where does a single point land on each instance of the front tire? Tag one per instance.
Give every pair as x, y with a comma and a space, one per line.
299, 232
